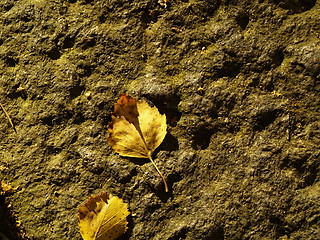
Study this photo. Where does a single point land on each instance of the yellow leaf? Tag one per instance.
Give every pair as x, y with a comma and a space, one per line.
103, 217
6, 188
136, 129
153, 126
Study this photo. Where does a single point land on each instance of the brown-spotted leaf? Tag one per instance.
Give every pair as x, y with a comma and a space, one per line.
136, 129
103, 217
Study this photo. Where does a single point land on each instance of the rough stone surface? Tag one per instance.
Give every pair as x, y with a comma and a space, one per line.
238, 81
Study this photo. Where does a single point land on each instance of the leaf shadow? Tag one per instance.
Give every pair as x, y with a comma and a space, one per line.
128, 233
170, 143
137, 161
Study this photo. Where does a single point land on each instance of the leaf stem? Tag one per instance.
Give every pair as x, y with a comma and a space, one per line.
163, 179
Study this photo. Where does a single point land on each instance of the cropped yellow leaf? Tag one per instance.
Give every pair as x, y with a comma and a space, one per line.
6, 188
136, 129
103, 217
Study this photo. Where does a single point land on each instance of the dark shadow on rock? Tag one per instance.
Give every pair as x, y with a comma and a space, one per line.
297, 6
130, 226
170, 143
181, 233
8, 223
201, 138
265, 119
138, 161
216, 234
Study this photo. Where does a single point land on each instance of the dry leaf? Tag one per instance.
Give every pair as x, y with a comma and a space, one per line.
103, 217
6, 188
137, 129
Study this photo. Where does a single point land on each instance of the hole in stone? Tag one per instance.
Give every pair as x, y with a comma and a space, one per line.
48, 120
52, 150
230, 68
10, 61
201, 139
297, 6
7, 6
84, 69
78, 118
310, 177
149, 15
16, 94
242, 20
54, 54
277, 57
215, 233
76, 91
68, 42
265, 119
